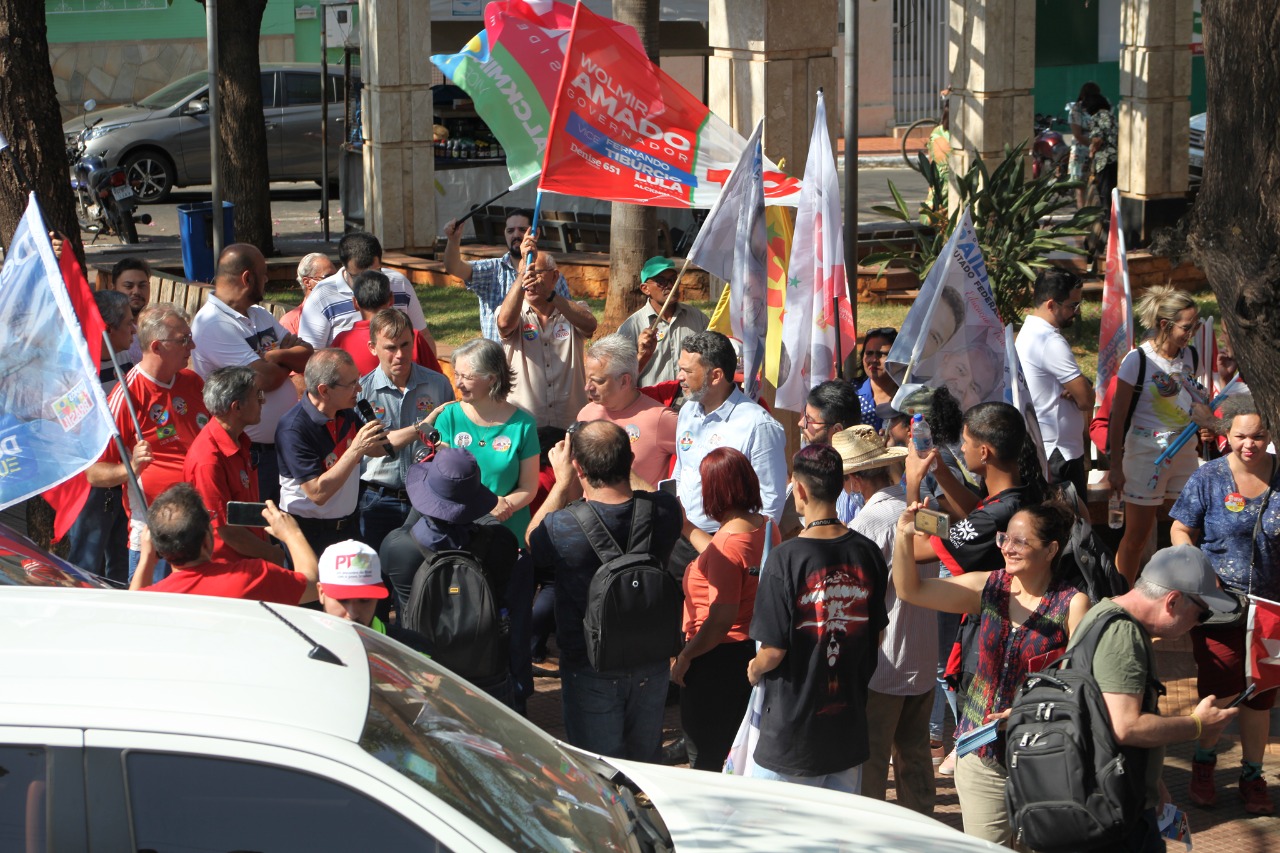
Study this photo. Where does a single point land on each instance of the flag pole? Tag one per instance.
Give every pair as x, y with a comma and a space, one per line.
670, 293
115, 433
482, 205
835, 311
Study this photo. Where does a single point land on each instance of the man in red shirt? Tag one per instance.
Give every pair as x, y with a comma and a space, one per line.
219, 463
179, 530
168, 399
371, 292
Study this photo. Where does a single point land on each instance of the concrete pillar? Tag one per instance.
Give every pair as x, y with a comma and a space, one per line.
768, 59
991, 54
875, 69
399, 157
1155, 87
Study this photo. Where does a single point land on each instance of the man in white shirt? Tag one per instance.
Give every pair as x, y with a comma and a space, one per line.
1062, 396
330, 308
233, 330
718, 414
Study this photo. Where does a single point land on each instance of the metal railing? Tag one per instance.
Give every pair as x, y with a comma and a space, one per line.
919, 58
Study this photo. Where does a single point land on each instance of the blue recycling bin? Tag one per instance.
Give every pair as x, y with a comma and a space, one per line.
195, 225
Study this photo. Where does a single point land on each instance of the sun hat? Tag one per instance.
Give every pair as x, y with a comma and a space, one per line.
448, 487
861, 448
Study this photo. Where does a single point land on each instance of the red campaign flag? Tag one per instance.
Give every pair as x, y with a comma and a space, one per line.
69, 497
1263, 664
623, 130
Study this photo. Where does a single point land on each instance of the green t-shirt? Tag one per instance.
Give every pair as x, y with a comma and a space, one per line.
498, 450
1123, 664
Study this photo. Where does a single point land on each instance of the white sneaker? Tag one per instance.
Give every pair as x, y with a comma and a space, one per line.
948, 765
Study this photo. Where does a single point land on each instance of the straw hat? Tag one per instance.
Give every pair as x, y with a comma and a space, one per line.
861, 447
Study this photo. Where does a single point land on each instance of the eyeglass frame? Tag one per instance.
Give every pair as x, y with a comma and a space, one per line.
1019, 545
184, 340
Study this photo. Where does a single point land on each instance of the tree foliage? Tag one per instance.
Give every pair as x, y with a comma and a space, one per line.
1019, 221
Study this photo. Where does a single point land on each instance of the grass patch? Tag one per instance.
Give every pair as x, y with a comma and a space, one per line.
453, 314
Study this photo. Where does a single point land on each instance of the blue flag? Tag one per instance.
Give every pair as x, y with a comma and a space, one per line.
54, 421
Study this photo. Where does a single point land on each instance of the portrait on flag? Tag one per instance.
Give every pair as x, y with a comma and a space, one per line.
52, 412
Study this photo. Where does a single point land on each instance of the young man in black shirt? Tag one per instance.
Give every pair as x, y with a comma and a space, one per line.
819, 614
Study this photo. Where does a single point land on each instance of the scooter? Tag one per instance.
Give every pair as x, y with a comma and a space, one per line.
1049, 151
105, 200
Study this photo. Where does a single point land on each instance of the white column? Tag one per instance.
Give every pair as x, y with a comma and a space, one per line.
1155, 87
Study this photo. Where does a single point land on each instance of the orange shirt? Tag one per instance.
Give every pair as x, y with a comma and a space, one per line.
729, 570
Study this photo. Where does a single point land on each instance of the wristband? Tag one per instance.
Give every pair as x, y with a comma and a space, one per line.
1199, 726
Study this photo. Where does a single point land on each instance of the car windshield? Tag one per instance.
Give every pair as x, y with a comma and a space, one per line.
490, 765
23, 563
176, 92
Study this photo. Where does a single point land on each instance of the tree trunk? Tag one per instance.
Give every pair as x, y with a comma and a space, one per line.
1235, 231
31, 121
633, 230
243, 135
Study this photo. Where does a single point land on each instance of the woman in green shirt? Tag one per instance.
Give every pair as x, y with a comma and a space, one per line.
502, 437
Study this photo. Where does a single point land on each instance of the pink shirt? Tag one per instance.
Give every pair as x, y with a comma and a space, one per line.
652, 428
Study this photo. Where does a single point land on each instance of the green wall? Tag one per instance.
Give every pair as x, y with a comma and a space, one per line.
181, 19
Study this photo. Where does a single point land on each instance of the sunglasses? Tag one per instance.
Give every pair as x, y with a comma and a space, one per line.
1205, 612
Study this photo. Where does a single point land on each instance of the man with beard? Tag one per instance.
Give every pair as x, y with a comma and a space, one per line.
132, 277
1062, 396
233, 330
491, 279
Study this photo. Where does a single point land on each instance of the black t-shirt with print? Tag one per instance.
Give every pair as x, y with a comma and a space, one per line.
823, 601
971, 545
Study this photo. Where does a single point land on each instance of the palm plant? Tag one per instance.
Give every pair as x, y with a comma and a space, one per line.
1019, 221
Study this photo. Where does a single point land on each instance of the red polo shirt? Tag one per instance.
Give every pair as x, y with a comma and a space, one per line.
356, 342
221, 471
252, 580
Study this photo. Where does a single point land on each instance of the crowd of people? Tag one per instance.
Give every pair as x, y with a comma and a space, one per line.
809, 588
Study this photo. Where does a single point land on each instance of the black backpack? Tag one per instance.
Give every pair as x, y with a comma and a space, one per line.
1071, 787
1086, 562
456, 604
634, 605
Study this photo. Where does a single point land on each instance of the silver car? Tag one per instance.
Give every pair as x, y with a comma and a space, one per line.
163, 140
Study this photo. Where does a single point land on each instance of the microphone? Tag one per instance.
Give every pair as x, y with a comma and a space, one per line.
364, 412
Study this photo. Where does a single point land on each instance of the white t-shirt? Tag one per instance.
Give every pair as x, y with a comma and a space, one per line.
1048, 365
1163, 405
329, 310
226, 338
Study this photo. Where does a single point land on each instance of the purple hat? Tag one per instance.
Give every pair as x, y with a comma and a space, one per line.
448, 487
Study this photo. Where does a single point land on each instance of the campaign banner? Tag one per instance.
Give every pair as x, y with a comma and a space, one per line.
1115, 333
732, 246
952, 336
1262, 664
817, 320
54, 421
623, 130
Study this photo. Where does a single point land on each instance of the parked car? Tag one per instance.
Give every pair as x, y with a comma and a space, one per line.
150, 721
1196, 150
24, 563
163, 140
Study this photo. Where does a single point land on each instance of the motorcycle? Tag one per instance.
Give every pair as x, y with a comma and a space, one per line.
1049, 151
105, 200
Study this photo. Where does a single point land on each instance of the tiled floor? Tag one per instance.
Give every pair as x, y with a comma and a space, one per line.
1223, 829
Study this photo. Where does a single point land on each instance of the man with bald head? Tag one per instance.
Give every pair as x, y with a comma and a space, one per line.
312, 269
233, 330
543, 334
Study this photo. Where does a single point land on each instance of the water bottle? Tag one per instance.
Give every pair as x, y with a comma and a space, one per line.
1115, 511
921, 434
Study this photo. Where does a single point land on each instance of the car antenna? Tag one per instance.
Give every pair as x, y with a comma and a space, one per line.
318, 652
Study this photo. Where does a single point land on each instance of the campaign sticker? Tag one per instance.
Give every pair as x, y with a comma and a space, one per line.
380, 411
462, 439
244, 479
686, 440
502, 444
424, 404
159, 414
633, 433
715, 440
1166, 385
1234, 502
180, 405
662, 334
201, 420
530, 332
330, 461
561, 331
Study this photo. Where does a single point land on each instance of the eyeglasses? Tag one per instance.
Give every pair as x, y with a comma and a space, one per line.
468, 377
806, 421
180, 340
1189, 327
1205, 611
574, 427
261, 395
354, 382
876, 354
663, 281
1005, 542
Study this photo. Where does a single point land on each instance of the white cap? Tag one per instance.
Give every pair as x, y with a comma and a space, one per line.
351, 569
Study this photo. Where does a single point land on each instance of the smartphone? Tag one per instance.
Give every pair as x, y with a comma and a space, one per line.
933, 522
1244, 696
245, 514
668, 486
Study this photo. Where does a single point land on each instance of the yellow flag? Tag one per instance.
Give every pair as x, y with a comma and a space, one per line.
780, 224
720, 317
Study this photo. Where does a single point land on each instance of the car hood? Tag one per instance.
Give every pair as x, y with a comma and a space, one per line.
110, 116
1198, 121
709, 811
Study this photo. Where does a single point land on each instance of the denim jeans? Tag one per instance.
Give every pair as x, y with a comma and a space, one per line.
98, 541
520, 612
379, 515
618, 714
161, 570
544, 618
847, 781
944, 697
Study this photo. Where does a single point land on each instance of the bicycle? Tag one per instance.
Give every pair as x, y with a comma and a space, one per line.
927, 124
